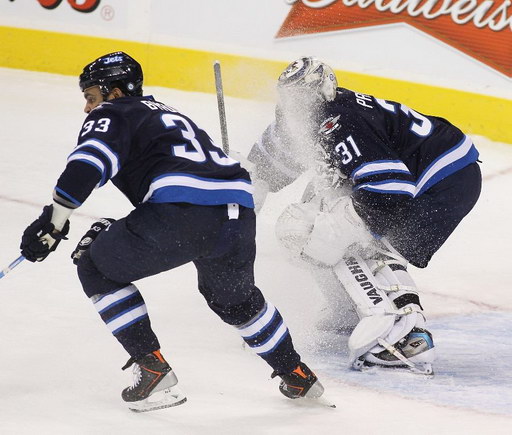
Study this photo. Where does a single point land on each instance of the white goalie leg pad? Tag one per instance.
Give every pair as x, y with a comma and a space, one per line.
359, 282
408, 343
401, 290
335, 229
377, 312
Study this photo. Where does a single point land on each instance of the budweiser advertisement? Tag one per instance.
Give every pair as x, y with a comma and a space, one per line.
481, 29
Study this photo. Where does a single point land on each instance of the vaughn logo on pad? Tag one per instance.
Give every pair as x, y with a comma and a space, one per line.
481, 29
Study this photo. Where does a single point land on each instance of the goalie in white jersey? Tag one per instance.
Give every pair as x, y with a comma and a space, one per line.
392, 184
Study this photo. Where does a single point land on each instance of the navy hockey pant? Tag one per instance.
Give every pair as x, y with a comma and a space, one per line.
421, 227
158, 237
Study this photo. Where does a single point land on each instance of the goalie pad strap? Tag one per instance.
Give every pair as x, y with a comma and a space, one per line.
377, 265
406, 299
396, 266
397, 281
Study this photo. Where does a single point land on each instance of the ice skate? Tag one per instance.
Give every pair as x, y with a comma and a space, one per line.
154, 386
415, 352
301, 382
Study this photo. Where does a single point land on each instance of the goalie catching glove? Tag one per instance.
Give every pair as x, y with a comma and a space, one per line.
321, 234
43, 235
89, 237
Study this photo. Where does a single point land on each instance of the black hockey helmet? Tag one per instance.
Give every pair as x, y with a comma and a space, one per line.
113, 70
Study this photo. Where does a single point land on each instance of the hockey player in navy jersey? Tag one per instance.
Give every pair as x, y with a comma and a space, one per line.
192, 203
391, 186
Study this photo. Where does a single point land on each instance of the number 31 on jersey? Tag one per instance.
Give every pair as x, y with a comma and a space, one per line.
347, 154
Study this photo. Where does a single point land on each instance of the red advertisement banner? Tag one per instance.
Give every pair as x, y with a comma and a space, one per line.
481, 29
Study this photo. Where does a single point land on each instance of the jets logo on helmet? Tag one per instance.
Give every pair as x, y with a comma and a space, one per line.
112, 59
295, 68
114, 70
309, 74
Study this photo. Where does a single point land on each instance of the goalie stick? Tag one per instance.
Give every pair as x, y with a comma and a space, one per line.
11, 266
220, 104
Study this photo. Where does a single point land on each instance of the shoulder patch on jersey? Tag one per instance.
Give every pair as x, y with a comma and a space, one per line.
103, 104
329, 125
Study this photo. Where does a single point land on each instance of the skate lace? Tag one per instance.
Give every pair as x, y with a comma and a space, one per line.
137, 376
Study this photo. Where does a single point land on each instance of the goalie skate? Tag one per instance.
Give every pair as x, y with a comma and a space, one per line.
155, 385
415, 352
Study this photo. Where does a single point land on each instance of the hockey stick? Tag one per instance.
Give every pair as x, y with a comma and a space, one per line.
220, 104
11, 266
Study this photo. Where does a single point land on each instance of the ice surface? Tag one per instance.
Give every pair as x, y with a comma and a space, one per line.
60, 367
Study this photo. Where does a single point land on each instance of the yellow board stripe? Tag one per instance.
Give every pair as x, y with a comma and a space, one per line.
244, 77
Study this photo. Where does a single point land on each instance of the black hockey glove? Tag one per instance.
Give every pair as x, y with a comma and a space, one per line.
40, 238
89, 237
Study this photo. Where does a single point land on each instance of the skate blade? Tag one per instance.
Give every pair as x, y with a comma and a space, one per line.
315, 394
166, 398
423, 369
321, 401
315, 397
314, 401
419, 369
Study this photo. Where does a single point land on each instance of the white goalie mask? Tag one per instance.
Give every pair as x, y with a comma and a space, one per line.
308, 80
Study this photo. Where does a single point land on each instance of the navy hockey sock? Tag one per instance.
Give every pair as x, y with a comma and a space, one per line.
125, 314
268, 336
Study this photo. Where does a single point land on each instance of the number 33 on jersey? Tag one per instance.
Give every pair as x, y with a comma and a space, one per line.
152, 153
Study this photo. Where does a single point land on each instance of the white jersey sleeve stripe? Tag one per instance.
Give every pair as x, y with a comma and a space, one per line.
91, 160
456, 153
106, 151
391, 186
379, 167
460, 155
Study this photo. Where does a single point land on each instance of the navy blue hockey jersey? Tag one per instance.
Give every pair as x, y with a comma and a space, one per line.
389, 152
152, 153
